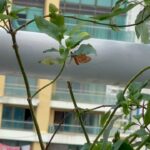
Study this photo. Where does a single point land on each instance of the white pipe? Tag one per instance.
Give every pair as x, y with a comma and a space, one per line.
116, 62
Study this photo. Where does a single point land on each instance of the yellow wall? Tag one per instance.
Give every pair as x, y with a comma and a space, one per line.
43, 109
47, 2
2, 86
36, 146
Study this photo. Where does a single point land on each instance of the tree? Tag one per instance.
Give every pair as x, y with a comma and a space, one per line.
129, 99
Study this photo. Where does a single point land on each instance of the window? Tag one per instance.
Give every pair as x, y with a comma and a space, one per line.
27, 15
84, 92
15, 87
16, 118
71, 122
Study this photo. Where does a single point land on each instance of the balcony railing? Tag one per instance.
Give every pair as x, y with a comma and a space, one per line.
17, 125
84, 97
16, 90
106, 33
67, 128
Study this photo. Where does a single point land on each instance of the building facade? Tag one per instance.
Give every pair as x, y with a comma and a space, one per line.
53, 104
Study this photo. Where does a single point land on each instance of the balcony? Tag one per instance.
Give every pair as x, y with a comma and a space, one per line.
17, 125
67, 128
89, 97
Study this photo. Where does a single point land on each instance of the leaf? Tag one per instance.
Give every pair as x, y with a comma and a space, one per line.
86, 146
49, 28
125, 107
115, 12
122, 145
52, 8
85, 49
3, 4
129, 125
140, 132
76, 39
50, 50
104, 118
120, 97
51, 61
147, 2
141, 29
3, 17
147, 115
14, 13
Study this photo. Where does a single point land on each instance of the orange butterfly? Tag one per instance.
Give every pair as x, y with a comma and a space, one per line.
80, 59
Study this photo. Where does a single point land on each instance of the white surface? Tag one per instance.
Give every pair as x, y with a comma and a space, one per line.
115, 63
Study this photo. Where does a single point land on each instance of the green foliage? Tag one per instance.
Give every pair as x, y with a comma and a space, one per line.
142, 30
52, 9
49, 28
122, 145
85, 49
147, 2
147, 115
3, 4
129, 125
76, 39
104, 118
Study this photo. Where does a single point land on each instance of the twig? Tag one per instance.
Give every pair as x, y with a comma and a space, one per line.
78, 112
42, 88
135, 77
16, 49
107, 123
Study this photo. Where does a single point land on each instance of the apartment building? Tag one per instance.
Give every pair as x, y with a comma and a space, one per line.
53, 104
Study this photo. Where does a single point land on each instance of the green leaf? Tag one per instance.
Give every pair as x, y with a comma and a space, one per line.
85, 49
104, 118
116, 137
147, 115
122, 145
52, 8
49, 28
14, 13
3, 4
125, 107
76, 39
115, 12
50, 50
3, 17
137, 117
147, 2
51, 61
86, 146
140, 132
142, 29
120, 97
129, 125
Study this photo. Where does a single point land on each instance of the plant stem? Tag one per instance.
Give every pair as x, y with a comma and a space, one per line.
42, 88
135, 77
78, 112
143, 142
107, 123
16, 49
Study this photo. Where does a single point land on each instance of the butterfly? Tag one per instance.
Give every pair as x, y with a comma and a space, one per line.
80, 59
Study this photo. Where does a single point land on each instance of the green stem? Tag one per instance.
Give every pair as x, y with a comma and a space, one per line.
135, 77
78, 112
16, 49
143, 143
42, 88
107, 123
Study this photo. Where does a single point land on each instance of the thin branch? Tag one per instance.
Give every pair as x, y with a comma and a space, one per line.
135, 77
4, 28
42, 88
106, 24
29, 22
16, 49
56, 130
78, 112
95, 108
107, 123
